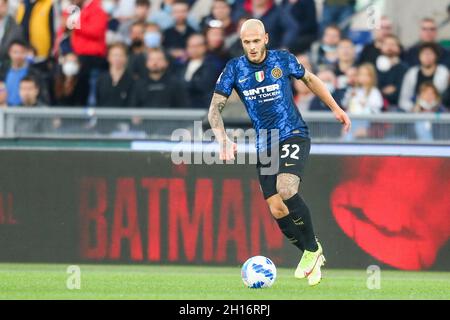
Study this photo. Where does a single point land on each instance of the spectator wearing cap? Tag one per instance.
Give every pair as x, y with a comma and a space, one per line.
160, 88
115, 87
390, 70
428, 71
428, 34
9, 31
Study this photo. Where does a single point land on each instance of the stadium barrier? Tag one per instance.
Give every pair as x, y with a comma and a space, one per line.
162, 123
138, 207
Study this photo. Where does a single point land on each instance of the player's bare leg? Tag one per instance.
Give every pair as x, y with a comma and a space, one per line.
312, 258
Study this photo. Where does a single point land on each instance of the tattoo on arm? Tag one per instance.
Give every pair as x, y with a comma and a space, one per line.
214, 116
307, 79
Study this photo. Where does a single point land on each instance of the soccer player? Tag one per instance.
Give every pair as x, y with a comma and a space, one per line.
262, 78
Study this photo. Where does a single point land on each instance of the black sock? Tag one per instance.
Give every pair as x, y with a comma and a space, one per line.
301, 216
291, 231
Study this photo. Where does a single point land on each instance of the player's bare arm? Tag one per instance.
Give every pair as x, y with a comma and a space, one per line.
319, 89
227, 147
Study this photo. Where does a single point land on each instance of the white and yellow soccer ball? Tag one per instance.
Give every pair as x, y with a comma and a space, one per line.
258, 272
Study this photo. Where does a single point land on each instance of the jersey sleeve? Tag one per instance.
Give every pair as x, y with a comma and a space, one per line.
225, 83
296, 69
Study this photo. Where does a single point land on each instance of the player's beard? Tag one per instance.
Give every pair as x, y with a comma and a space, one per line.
259, 57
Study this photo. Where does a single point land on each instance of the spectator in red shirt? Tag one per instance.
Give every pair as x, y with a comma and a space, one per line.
89, 43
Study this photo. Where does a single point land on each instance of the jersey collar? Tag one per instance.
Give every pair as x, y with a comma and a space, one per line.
258, 64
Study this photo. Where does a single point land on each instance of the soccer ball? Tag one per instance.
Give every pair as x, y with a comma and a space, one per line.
258, 272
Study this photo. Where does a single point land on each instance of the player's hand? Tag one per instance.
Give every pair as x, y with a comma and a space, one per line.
343, 118
227, 150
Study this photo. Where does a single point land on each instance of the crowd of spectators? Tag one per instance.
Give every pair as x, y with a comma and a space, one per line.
130, 53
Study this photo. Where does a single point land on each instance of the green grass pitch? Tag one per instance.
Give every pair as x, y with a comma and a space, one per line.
48, 281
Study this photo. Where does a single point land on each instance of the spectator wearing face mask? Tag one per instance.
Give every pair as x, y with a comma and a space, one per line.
151, 39
115, 88
324, 53
68, 90
329, 79
140, 16
428, 71
390, 70
428, 101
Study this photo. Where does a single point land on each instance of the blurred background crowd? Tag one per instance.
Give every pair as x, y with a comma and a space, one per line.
137, 53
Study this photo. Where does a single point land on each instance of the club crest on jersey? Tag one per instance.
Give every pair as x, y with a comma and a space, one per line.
259, 76
277, 73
